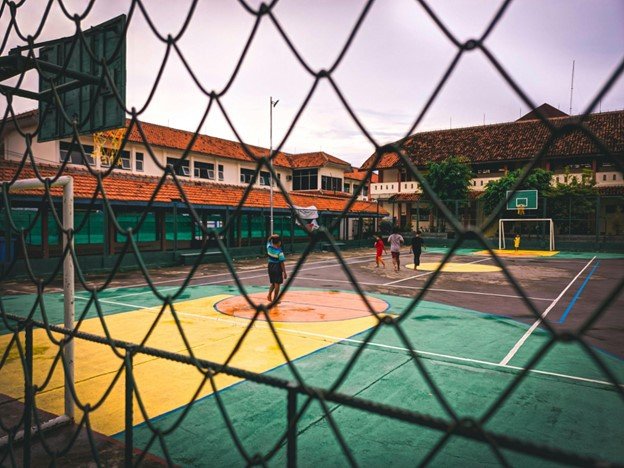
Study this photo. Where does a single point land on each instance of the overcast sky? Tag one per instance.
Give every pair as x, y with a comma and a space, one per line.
392, 67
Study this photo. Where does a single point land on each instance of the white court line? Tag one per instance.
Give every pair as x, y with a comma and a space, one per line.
136, 285
528, 333
458, 291
429, 272
172, 288
336, 339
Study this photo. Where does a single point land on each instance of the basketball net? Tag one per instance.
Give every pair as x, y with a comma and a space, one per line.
106, 145
520, 210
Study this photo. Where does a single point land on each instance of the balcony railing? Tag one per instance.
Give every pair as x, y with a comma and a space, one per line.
478, 184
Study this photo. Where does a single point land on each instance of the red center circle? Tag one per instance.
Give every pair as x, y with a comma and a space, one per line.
305, 306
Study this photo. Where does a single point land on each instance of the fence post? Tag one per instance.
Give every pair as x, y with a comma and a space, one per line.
597, 219
28, 393
291, 440
129, 442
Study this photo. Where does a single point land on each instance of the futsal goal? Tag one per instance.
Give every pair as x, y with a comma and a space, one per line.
549, 221
67, 183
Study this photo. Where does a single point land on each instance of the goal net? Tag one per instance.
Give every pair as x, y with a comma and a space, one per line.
548, 221
67, 183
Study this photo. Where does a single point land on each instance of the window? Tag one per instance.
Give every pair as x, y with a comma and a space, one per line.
347, 187
138, 162
331, 183
305, 179
75, 157
204, 170
614, 176
246, 175
265, 178
182, 170
604, 177
122, 163
126, 164
220, 173
364, 192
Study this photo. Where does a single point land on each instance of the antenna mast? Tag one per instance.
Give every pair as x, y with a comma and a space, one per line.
572, 87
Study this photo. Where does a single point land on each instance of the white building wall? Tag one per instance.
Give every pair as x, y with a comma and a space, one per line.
15, 147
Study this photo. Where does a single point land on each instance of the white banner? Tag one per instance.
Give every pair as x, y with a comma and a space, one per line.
307, 212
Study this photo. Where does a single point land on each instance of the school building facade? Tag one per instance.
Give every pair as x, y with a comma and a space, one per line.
493, 150
213, 178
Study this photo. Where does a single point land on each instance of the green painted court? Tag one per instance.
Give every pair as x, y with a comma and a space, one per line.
460, 335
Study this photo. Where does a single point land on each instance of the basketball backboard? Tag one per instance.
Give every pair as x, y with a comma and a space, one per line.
89, 101
526, 199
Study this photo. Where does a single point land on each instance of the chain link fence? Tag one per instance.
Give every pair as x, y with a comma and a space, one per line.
297, 394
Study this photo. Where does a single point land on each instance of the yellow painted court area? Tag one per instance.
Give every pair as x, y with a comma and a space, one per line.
165, 385
454, 267
520, 253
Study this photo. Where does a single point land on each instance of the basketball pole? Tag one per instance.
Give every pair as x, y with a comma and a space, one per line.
272, 104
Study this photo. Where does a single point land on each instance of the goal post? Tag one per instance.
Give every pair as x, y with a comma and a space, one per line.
67, 183
551, 229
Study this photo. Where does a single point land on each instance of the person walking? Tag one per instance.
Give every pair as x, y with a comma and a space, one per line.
418, 244
276, 268
380, 249
396, 240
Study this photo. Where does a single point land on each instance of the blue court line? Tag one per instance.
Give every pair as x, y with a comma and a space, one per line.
578, 294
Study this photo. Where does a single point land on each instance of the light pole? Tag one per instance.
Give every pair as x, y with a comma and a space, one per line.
272, 104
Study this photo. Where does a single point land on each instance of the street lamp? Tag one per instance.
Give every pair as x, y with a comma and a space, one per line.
272, 104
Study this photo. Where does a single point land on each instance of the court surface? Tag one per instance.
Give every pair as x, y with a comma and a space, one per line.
472, 330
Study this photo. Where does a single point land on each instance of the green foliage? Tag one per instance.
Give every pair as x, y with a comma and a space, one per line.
496, 190
573, 202
450, 180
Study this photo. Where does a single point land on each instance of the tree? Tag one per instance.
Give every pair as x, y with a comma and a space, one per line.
450, 180
573, 203
496, 190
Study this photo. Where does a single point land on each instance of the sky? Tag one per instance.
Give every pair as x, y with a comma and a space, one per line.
395, 61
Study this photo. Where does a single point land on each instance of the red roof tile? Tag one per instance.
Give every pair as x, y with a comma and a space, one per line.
509, 141
357, 174
120, 186
317, 159
159, 135
546, 110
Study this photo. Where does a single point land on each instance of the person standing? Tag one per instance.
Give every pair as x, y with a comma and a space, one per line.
517, 242
380, 249
276, 268
418, 244
396, 240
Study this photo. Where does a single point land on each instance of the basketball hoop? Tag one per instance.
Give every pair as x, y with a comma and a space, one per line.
520, 210
106, 145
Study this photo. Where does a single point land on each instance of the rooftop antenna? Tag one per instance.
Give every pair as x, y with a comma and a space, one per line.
572, 86
484, 118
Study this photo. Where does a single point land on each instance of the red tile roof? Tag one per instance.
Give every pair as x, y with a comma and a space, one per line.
509, 141
120, 186
358, 174
546, 110
167, 137
317, 159
159, 135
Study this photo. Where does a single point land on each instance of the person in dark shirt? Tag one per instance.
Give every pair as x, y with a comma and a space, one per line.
277, 272
416, 248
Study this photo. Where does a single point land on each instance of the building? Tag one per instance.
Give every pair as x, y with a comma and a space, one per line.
492, 150
213, 173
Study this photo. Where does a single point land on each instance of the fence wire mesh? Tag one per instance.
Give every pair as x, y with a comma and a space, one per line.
299, 395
